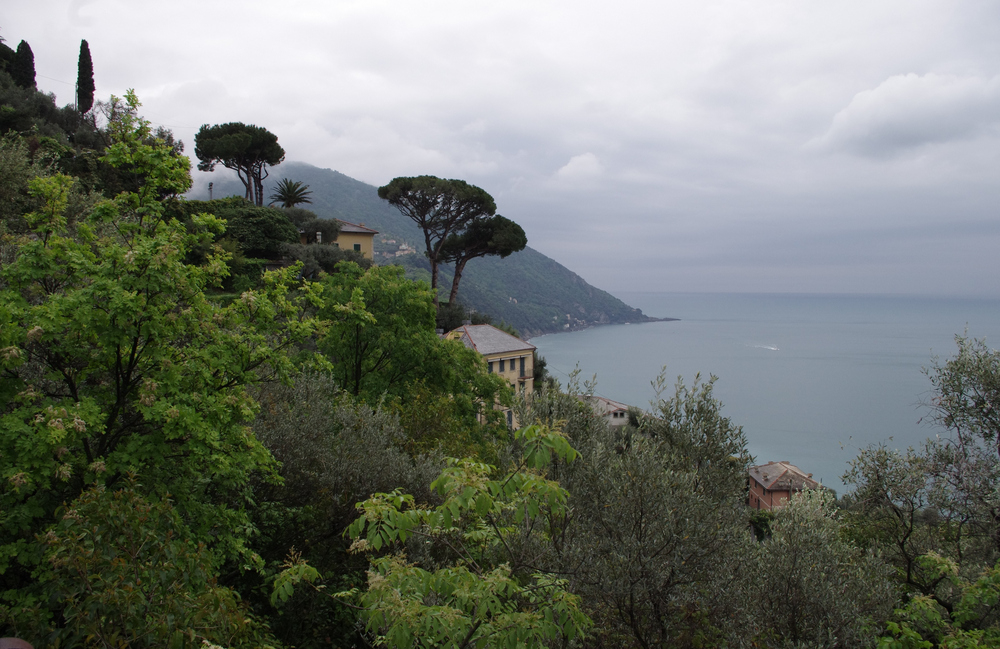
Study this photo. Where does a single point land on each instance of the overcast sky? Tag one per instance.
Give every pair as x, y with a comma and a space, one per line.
763, 146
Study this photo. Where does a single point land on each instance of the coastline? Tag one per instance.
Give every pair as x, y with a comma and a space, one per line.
592, 325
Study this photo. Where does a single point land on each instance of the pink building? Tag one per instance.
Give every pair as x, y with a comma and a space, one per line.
772, 484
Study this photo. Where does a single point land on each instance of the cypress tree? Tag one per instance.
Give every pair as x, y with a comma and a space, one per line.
84, 79
6, 56
23, 69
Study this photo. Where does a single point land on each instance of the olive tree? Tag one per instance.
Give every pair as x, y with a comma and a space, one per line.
814, 588
659, 546
935, 510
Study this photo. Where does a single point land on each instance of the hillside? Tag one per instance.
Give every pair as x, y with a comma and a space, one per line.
527, 289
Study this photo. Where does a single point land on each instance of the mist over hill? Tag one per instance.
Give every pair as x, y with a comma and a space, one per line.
528, 290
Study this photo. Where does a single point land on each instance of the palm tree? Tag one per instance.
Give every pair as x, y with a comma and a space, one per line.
289, 193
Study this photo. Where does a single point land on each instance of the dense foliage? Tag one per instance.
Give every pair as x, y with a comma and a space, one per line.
495, 236
85, 79
22, 68
246, 149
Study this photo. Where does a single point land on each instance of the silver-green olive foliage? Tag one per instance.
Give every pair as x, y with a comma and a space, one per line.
246, 149
940, 502
334, 452
814, 588
659, 544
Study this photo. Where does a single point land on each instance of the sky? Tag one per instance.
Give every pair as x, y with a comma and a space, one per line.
711, 146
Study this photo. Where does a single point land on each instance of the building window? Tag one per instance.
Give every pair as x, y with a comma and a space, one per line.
522, 366
501, 365
489, 367
357, 247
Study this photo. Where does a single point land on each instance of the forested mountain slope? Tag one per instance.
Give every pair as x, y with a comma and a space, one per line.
527, 289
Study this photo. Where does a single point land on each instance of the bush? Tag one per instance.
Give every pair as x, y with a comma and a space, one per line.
120, 570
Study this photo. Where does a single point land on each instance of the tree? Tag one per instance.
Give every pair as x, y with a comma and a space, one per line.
935, 511
112, 359
84, 79
814, 588
127, 574
386, 344
495, 236
23, 68
469, 586
6, 55
246, 149
289, 193
660, 542
334, 453
440, 207
967, 405
260, 231
922, 623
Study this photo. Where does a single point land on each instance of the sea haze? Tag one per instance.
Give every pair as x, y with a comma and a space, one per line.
811, 378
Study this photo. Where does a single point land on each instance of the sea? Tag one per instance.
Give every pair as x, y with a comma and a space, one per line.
812, 379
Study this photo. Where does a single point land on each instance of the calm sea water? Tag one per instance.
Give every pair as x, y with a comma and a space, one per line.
811, 378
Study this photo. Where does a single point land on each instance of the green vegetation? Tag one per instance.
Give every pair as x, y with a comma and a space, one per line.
290, 193
23, 67
85, 79
246, 149
487, 595
301, 461
442, 209
530, 291
496, 236
935, 511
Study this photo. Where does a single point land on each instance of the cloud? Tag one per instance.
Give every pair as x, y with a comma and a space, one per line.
908, 111
585, 165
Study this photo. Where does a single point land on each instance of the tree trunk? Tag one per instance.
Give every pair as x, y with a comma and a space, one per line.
459, 268
247, 179
434, 282
432, 256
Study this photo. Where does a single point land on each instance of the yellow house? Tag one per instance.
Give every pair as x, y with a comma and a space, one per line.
506, 355
356, 237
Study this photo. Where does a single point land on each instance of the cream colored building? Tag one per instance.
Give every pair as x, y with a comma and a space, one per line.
356, 237
614, 412
505, 355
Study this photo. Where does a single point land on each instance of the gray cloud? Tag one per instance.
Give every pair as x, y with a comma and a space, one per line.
721, 145
908, 111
